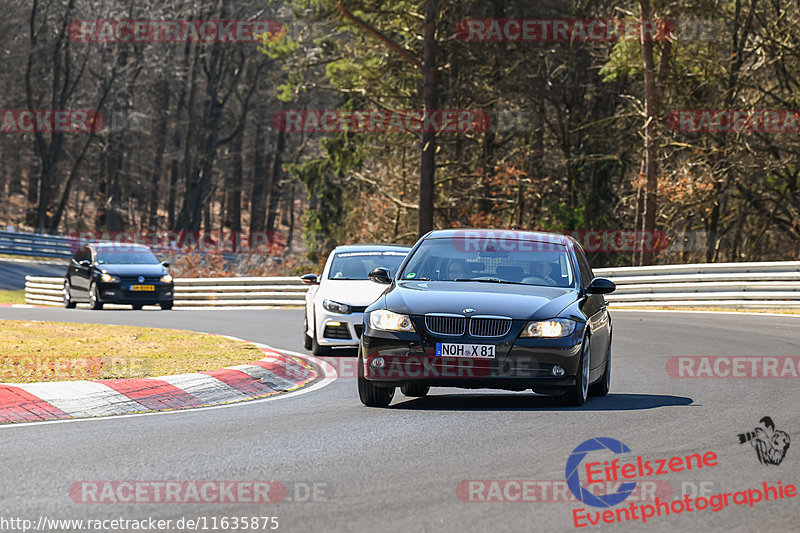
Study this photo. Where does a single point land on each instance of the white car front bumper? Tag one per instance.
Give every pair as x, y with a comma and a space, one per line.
334, 329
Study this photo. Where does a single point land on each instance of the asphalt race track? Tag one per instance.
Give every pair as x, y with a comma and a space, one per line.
13, 271
397, 469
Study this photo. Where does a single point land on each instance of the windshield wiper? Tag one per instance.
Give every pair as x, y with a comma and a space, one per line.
490, 280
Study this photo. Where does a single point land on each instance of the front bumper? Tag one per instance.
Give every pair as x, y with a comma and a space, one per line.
339, 330
519, 364
120, 293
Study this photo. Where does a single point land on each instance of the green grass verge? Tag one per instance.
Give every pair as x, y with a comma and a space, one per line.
12, 297
55, 351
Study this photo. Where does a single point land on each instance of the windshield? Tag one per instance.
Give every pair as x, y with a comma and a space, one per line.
357, 265
131, 257
526, 263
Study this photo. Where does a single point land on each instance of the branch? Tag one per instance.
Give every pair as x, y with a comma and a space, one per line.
387, 41
375, 184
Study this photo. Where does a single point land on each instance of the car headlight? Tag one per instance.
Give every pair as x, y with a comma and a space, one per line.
335, 307
108, 278
166, 278
557, 327
389, 321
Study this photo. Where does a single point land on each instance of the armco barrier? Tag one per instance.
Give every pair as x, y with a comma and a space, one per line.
755, 285
774, 284
196, 292
34, 245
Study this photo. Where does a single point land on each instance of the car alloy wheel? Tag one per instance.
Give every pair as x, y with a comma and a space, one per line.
94, 297
577, 394
370, 394
69, 303
602, 387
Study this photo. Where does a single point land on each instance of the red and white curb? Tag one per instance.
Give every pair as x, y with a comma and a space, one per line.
276, 373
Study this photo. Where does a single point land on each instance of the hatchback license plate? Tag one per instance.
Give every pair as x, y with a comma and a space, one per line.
483, 351
143, 287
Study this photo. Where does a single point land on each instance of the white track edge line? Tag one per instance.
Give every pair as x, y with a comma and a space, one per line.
328, 370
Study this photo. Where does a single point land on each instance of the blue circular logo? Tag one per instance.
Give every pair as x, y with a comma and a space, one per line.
574, 481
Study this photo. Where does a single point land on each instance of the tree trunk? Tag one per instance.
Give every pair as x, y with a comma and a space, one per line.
160, 147
650, 112
428, 161
233, 193
258, 200
275, 182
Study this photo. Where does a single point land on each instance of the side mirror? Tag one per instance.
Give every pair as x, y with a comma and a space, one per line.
601, 286
380, 275
165, 263
85, 263
310, 279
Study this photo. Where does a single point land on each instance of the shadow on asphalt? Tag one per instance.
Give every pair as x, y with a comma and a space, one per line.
499, 402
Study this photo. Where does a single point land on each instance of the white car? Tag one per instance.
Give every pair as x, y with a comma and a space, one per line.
336, 301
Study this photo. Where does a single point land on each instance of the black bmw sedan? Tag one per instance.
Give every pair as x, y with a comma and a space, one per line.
499, 309
123, 273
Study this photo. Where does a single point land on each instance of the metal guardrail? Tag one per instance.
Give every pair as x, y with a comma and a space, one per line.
35, 244
755, 285
42, 245
196, 292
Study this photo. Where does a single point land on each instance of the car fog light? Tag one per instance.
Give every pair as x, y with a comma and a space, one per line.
378, 362
558, 371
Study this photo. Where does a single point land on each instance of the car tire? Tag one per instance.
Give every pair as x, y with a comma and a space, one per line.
370, 394
307, 344
137, 307
415, 390
69, 303
166, 306
94, 297
316, 349
577, 394
602, 387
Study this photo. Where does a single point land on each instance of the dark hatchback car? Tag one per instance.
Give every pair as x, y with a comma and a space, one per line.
499, 309
124, 273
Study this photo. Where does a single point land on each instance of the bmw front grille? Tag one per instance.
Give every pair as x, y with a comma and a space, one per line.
479, 326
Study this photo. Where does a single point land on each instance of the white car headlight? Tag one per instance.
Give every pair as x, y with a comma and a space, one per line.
108, 278
335, 307
389, 321
557, 327
166, 278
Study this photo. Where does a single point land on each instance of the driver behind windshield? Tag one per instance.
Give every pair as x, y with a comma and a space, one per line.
542, 269
457, 269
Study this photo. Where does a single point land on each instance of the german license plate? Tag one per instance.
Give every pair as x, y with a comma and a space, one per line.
143, 287
446, 349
